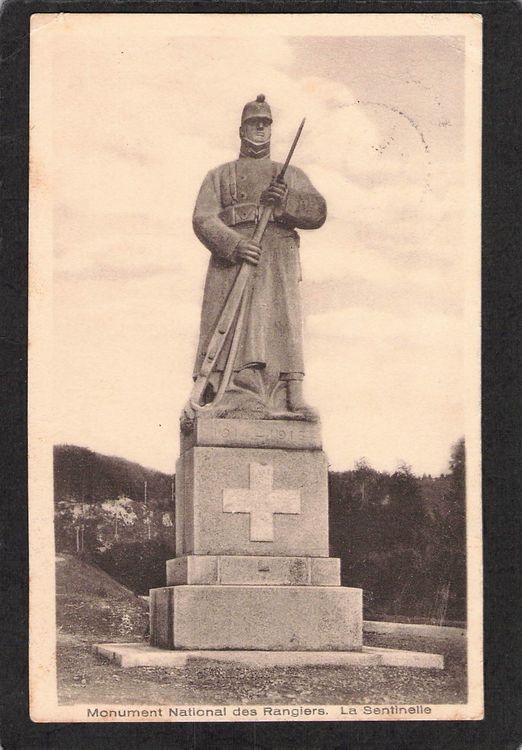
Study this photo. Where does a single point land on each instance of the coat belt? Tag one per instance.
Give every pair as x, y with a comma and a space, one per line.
241, 213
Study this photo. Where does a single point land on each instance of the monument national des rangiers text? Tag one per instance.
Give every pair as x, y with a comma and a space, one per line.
252, 569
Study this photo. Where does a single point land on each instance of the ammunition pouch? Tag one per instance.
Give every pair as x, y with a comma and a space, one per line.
241, 213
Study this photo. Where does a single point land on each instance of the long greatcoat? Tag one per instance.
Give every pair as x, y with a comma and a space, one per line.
226, 210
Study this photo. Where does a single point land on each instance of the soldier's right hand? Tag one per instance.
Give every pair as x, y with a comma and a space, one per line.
247, 251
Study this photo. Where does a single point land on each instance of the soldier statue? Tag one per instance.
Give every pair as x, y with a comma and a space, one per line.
267, 368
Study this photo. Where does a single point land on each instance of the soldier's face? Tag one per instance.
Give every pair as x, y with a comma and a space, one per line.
256, 129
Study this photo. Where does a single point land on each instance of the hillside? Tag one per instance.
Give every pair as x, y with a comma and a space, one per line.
90, 602
115, 513
81, 475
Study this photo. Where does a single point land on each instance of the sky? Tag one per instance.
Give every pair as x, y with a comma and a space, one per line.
139, 113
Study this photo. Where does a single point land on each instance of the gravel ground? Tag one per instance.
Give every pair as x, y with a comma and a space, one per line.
84, 677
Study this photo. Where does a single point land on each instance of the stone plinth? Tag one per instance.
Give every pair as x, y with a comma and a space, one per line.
252, 582
253, 433
263, 618
252, 501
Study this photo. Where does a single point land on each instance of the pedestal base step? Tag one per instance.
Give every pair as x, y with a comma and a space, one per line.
143, 655
253, 570
268, 618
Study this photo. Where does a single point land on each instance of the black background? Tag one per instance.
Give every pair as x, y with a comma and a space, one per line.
501, 421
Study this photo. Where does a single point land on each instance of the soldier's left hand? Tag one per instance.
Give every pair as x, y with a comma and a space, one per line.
275, 194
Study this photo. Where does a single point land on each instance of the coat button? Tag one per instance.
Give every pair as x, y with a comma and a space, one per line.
242, 195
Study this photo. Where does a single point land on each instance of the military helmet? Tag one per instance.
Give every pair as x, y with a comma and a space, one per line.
259, 108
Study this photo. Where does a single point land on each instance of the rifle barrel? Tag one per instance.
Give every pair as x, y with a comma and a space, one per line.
281, 174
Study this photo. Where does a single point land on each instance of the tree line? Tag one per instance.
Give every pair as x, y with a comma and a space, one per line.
401, 538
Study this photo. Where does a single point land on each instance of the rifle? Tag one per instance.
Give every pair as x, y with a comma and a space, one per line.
236, 301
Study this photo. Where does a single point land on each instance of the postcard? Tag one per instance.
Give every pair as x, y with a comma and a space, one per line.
254, 367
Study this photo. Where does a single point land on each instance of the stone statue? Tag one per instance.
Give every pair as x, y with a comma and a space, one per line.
265, 340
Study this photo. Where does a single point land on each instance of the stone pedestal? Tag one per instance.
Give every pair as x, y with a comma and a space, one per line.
252, 570
252, 583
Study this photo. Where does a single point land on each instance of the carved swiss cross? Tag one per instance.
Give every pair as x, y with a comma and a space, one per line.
261, 501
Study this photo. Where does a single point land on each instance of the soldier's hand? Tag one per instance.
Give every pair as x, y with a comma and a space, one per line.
246, 250
275, 194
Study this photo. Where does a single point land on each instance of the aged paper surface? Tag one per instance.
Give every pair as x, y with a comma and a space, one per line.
128, 114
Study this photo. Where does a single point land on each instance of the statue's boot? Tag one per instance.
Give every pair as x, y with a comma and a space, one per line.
250, 380
244, 394
296, 403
